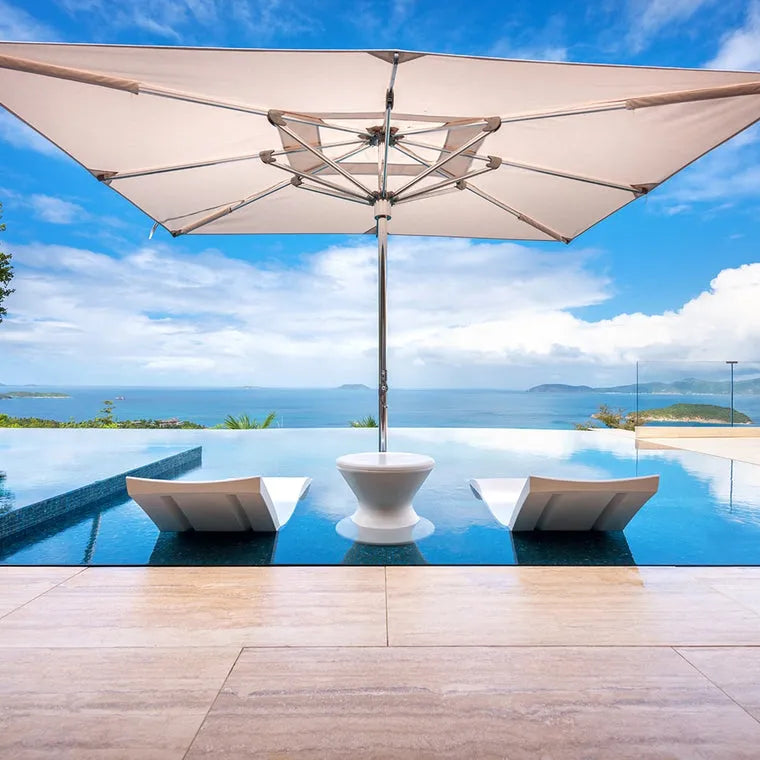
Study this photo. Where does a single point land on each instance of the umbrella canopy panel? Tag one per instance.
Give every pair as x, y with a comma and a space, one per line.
210, 141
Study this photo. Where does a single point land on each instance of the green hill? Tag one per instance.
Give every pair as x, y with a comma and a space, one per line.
689, 385
32, 394
694, 413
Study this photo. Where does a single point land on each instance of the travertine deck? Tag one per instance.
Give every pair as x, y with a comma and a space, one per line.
397, 662
741, 449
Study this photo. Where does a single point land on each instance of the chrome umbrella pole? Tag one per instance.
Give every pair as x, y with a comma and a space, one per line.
382, 215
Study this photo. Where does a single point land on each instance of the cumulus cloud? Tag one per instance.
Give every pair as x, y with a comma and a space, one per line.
740, 49
56, 210
159, 314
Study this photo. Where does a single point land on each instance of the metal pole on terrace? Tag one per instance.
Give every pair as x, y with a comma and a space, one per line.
731, 363
382, 215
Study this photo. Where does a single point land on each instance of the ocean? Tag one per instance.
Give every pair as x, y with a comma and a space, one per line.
336, 407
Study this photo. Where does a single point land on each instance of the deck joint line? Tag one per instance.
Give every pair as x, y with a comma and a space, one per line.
213, 701
387, 633
677, 650
34, 599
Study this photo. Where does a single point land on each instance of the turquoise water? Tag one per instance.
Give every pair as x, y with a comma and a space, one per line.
707, 511
303, 408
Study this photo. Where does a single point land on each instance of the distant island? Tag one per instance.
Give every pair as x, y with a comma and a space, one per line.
32, 394
704, 413
561, 388
353, 387
689, 385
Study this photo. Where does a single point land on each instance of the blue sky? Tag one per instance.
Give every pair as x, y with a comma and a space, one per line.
674, 275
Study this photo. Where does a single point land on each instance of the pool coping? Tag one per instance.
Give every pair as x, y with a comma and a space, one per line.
13, 524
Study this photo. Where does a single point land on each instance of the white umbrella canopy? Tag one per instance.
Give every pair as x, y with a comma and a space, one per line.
221, 141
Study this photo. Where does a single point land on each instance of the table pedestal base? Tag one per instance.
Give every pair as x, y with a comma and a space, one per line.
384, 485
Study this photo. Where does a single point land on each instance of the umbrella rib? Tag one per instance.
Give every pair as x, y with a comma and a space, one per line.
446, 127
518, 214
481, 194
319, 180
277, 119
641, 189
624, 104
637, 190
495, 163
267, 157
107, 176
437, 149
136, 87
645, 101
225, 211
228, 209
228, 105
491, 126
298, 182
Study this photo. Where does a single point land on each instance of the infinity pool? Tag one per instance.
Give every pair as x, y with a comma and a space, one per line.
707, 511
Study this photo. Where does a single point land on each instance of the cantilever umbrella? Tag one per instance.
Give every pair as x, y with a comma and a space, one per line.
209, 141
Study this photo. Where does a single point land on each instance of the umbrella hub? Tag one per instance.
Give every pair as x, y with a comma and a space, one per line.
377, 135
383, 161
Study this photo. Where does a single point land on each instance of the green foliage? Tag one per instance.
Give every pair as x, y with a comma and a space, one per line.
244, 422
105, 419
611, 418
365, 422
173, 424
6, 273
32, 394
615, 418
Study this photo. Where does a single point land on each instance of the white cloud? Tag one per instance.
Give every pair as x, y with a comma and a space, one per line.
56, 210
18, 25
160, 315
740, 49
268, 324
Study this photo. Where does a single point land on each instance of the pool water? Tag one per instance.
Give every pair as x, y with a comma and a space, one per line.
706, 512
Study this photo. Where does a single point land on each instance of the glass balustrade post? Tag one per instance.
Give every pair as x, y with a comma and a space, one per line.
731, 364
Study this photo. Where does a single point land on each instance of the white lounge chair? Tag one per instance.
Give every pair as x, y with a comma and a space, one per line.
238, 504
537, 503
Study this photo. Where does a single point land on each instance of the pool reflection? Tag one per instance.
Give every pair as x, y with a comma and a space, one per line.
369, 554
571, 548
193, 548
